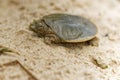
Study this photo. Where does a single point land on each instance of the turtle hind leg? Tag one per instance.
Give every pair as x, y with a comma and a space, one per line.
51, 38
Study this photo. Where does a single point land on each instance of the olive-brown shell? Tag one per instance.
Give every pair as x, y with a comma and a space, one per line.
71, 28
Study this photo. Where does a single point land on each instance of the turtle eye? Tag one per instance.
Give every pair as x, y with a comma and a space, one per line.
39, 26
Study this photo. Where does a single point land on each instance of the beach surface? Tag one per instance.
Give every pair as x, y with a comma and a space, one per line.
25, 56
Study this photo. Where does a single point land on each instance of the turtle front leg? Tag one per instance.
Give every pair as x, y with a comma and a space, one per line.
51, 38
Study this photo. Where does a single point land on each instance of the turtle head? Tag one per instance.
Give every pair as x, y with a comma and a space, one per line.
38, 26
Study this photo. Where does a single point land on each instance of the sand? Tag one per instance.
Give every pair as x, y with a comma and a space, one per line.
32, 59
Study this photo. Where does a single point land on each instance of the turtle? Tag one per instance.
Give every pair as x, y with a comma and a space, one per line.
64, 28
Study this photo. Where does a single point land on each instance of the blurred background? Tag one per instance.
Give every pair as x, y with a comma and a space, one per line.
74, 62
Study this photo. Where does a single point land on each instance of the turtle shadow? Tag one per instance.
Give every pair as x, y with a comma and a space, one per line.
69, 45
92, 42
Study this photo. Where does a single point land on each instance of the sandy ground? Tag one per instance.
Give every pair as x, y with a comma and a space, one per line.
37, 60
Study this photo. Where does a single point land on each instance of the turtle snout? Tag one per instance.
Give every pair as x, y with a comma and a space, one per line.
37, 27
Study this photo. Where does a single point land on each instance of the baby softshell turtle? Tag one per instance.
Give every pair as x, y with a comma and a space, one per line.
64, 28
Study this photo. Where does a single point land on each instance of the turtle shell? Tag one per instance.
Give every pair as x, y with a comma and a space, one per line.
71, 28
